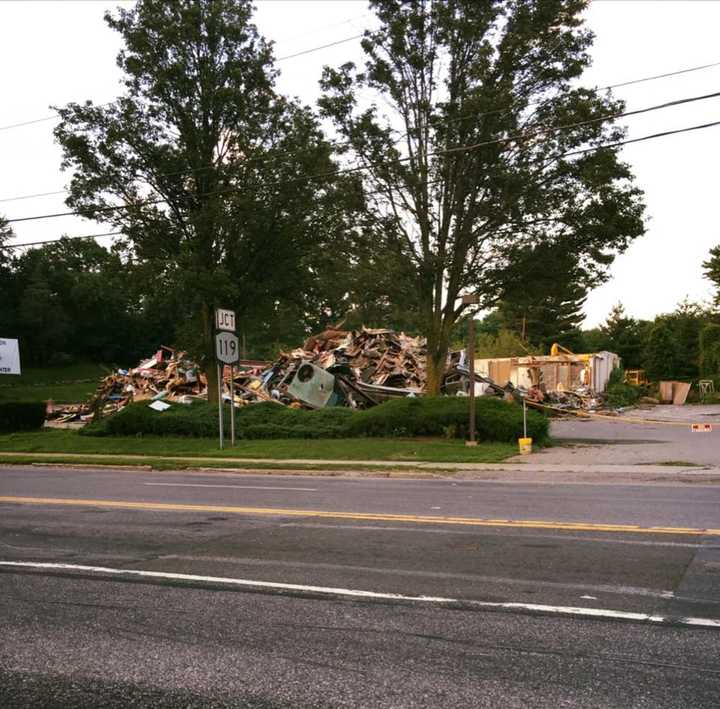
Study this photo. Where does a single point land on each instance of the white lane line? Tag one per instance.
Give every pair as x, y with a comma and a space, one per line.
238, 487
354, 593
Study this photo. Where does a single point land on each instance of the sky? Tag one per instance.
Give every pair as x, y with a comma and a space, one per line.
54, 52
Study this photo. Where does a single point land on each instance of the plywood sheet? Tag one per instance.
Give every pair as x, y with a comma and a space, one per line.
680, 392
666, 392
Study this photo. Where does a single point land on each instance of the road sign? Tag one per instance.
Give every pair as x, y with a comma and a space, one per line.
227, 349
9, 356
225, 319
701, 428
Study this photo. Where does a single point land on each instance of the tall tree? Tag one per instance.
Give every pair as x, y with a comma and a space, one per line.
712, 271
7, 290
661, 356
77, 301
480, 144
541, 295
710, 350
625, 336
202, 165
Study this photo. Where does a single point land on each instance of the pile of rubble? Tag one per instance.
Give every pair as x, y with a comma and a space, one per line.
337, 367
334, 368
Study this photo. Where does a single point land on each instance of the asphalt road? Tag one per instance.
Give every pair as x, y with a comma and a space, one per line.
276, 592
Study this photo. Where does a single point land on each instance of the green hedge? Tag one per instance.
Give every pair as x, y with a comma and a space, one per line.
21, 415
200, 419
623, 394
495, 419
423, 416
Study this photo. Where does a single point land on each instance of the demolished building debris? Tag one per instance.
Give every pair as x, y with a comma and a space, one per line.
358, 369
565, 379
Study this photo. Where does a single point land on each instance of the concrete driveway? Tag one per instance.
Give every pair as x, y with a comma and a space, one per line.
624, 441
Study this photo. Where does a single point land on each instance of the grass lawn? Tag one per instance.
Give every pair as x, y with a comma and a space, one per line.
64, 385
389, 449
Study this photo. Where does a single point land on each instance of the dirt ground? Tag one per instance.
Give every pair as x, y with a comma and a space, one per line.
602, 441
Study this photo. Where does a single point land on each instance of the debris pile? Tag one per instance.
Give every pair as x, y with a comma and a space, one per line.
368, 366
358, 369
169, 375
334, 368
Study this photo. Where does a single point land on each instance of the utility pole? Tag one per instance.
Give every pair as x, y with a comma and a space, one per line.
471, 299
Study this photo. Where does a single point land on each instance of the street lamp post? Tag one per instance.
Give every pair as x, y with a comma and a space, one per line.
471, 299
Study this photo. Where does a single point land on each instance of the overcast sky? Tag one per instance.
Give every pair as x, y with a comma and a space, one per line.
61, 51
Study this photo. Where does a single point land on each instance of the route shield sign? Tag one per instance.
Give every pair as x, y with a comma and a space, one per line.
227, 349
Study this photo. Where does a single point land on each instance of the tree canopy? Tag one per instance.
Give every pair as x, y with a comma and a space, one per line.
479, 144
712, 271
214, 178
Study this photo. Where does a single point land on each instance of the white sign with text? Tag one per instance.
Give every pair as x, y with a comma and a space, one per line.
225, 319
9, 356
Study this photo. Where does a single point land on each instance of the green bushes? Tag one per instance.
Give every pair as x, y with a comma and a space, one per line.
200, 419
423, 416
21, 415
710, 350
619, 393
623, 394
496, 420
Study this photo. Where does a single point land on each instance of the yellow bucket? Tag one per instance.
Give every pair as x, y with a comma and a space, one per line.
525, 445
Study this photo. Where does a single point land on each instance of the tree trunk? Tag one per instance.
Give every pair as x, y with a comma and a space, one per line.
438, 346
209, 350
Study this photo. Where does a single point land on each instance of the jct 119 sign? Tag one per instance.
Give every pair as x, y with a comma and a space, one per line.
227, 349
225, 320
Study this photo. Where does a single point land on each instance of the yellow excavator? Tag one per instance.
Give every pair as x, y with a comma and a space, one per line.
557, 349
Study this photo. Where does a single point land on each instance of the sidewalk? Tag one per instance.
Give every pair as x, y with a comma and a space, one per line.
509, 471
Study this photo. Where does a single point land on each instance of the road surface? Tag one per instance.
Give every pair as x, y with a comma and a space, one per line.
180, 589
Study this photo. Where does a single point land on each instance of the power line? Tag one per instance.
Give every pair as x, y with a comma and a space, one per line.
661, 76
341, 144
643, 138
348, 39
32, 196
279, 59
315, 49
461, 148
616, 144
54, 241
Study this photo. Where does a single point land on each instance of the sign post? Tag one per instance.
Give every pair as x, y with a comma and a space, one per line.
471, 299
227, 351
220, 403
232, 406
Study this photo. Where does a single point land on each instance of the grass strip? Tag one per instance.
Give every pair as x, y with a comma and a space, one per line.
429, 450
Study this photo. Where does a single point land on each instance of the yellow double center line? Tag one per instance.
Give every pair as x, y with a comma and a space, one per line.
363, 516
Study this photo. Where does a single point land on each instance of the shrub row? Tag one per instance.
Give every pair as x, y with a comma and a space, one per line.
496, 420
623, 394
200, 419
21, 415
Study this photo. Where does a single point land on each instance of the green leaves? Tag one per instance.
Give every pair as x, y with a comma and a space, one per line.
472, 146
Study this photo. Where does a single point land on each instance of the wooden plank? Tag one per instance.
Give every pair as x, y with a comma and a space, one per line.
680, 392
666, 392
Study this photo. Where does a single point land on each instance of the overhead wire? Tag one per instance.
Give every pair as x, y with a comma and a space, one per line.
347, 143
32, 196
511, 138
279, 59
628, 141
62, 238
